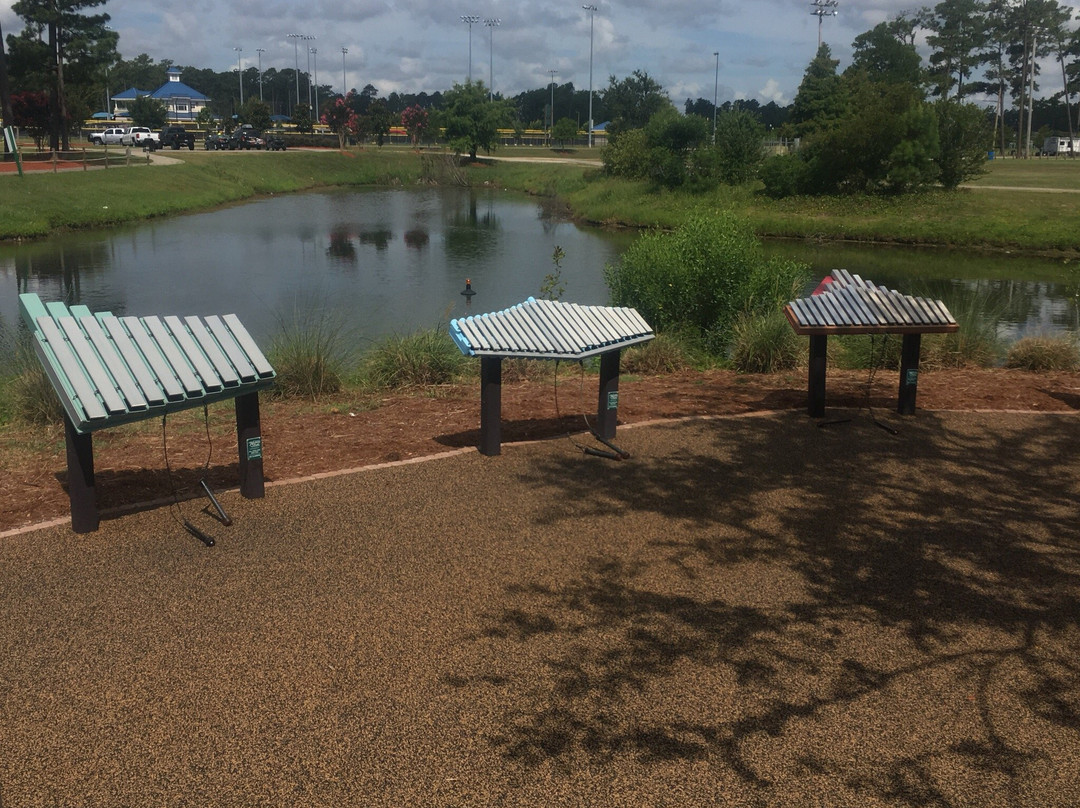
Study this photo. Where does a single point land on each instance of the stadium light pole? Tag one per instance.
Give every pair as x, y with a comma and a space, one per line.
344, 81
315, 61
822, 9
260, 51
470, 20
715, 86
592, 14
551, 120
240, 73
296, 58
492, 23
309, 38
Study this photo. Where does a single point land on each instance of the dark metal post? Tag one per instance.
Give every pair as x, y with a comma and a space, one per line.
909, 373
249, 443
607, 414
81, 493
816, 385
490, 405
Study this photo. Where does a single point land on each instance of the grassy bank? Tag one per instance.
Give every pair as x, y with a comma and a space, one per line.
1005, 210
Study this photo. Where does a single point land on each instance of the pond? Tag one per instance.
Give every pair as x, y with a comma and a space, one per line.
386, 261
382, 261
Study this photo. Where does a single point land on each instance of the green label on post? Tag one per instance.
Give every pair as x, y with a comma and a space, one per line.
911, 378
254, 448
613, 400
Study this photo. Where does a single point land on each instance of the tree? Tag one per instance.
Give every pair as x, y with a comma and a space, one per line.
820, 100
256, 113
71, 35
959, 35
471, 122
340, 117
884, 58
965, 135
630, 103
379, 120
739, 149
30, 111
564, 129
301, 118
415, 120
149, 112
7, 114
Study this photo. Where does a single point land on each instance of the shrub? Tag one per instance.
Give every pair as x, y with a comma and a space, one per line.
784, 175
422, 358
25, 391
764, 343
1044, 353
666, 353
701, 276
310, 354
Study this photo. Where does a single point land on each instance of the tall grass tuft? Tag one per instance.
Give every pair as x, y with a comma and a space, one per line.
420, 359
1044, 353
765, 343
666, 353
310, 353
25, 391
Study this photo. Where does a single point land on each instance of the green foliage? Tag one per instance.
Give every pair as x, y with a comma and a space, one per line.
738, 153
884, 58
1044, 353
423, 358
471, 121
256, 113
627, 156
309, 353
301, 118
658, 152
965, 134
701, 276
25, 391
667, 353
552, 288
820, 100
784, 175
206, 119
632, 102
565, 129
149, 112
765, 343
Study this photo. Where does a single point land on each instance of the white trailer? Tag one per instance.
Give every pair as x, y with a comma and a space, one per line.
1061, 146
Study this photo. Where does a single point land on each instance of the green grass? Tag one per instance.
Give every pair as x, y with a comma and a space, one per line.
1016, 220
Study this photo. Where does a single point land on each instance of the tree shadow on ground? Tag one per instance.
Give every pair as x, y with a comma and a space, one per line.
894, 613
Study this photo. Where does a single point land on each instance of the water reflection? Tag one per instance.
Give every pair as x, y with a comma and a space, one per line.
386, 261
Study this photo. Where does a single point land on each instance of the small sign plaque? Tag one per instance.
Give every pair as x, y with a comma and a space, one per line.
911, 377
613, 400
254, 448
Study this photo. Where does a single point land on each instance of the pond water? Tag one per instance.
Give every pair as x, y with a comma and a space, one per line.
384, 261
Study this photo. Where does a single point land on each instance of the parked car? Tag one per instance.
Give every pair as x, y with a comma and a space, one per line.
275, 143
114, 135
245, 137
176, 137
141, 136
216, 141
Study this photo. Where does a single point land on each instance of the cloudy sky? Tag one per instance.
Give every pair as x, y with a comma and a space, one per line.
422, 45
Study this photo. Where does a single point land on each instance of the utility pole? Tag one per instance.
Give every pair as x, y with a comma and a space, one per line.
344, 81
470, 20
260, 51
492, 23
551, 119
715, 86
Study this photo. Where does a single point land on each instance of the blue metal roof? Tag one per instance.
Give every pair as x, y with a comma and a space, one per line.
177, 89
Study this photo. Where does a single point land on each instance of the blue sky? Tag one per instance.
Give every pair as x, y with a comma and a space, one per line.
422, 45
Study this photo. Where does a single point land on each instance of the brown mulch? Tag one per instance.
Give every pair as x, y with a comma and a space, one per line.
304, 438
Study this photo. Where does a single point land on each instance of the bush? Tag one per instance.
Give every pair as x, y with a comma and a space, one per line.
1044, 353
666, 353
764, 343
784, 175
701, 276
420, 359
309, 354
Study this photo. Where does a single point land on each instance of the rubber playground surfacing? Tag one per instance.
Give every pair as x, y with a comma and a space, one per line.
750, 611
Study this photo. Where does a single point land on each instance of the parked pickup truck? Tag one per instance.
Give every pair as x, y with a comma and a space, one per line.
140, 136
113, 136
176, 137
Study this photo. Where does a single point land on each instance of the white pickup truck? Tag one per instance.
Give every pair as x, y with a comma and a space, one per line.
113, 136
140, 136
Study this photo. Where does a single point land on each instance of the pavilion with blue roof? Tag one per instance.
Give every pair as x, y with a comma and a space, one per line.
182, 102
